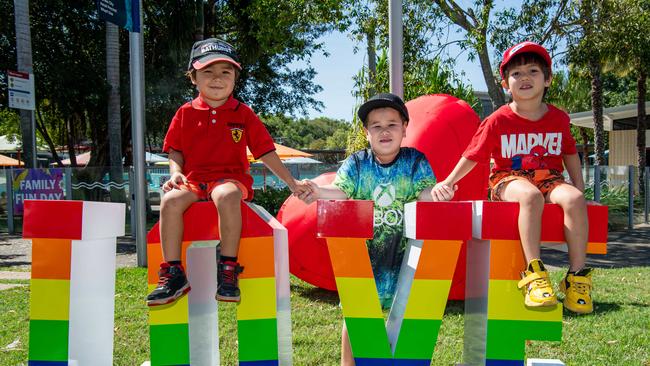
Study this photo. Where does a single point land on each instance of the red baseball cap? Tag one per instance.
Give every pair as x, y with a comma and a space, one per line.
522, 47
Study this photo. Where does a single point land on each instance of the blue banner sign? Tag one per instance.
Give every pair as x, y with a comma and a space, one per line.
37, 184
124, 13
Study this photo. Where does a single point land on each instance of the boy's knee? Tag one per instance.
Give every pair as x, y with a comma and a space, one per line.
575, 199
170, 203
532, 197
227, 194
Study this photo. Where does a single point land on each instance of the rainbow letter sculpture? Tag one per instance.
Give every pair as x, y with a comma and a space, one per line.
423, 285
497, 324
73, 280
186, 332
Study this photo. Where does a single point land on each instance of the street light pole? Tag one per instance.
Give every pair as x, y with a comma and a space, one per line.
395, 45
136, 59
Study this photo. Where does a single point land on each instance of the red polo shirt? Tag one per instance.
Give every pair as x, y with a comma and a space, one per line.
213, 140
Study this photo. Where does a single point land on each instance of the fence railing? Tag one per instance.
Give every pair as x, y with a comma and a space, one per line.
615, 186
110, 185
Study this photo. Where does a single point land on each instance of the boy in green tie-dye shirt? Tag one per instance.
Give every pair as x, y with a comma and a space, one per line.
390, 176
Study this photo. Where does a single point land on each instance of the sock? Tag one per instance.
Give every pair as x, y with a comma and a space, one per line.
225, 258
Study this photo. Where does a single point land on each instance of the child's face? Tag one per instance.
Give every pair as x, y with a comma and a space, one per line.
526, 82
385, 131
215, 82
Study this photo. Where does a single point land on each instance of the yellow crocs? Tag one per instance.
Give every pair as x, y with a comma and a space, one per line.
536, 285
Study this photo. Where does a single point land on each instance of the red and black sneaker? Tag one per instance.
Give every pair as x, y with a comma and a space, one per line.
227, 281
171, 285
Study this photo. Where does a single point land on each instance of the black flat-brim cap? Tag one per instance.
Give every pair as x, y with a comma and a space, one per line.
383, 100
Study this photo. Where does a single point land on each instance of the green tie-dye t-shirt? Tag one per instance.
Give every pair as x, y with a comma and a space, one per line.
389, 186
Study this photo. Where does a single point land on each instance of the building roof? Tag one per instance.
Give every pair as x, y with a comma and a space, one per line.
615, 118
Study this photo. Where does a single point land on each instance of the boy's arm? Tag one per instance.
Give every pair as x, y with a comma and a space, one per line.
330, 192
572, 164
444, 191
177, 177
273, 162
326, 192
461, 169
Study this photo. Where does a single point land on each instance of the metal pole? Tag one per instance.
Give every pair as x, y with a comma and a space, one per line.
645, 203
132, 203
137, 132
630, 197
597, 183
24, 63
68, 183
10, 201
395, 45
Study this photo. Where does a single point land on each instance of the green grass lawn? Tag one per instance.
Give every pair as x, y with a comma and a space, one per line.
618, 333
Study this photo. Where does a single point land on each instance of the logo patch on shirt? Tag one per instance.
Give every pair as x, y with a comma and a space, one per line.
236, 133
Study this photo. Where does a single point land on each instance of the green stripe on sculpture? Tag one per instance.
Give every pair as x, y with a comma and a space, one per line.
506, 339
417, 339
48, 340
258, 339
170, 344
368, 337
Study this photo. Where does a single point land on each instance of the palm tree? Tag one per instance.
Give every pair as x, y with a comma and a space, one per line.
113, 117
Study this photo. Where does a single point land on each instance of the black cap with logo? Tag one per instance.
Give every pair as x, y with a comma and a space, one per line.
211, 50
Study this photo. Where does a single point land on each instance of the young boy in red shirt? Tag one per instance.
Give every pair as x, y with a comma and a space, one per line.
529, 141
206, 142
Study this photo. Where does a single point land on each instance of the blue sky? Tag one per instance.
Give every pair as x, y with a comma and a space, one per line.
335, 74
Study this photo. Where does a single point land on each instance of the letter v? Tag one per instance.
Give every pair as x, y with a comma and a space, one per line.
423, 285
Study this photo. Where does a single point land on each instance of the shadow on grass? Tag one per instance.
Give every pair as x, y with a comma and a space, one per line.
316, 294
600, 308
455, 307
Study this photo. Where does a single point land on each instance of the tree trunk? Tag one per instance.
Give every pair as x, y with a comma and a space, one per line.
494, 88
114, 124
71, 140
641, 127
40, 125
585, 151
198, 21
597, 108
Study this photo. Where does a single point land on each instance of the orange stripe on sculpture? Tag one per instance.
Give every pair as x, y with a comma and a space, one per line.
51, 258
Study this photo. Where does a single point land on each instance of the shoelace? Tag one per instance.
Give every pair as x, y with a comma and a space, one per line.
163, 279
581, 288
540, 282
229, 276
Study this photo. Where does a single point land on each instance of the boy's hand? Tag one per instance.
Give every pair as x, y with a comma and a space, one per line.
174, 182
309, 191
443, 192
304, 190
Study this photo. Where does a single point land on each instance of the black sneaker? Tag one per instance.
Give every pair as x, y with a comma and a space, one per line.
227, 282
171, 285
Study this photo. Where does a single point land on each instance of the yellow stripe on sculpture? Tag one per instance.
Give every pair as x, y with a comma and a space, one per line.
175, 313
428, 299
50, 299
359, 296
506, 303
258, 299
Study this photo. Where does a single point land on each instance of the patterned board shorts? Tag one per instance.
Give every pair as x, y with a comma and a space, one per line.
545, 180
204, 189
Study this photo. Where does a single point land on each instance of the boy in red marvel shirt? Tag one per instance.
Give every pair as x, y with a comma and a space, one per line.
206, 142
530, 141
